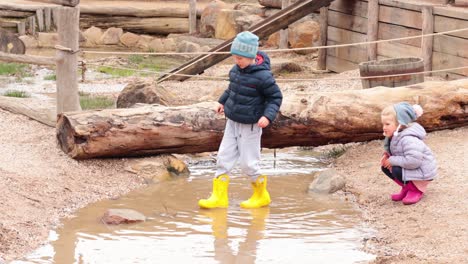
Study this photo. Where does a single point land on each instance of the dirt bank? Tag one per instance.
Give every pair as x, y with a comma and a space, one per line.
40, 184
432, 231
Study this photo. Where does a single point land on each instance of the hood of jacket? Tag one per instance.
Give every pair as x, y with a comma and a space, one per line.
414, 130
262, 62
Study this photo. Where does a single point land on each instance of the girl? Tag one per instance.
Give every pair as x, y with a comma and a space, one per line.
407, 160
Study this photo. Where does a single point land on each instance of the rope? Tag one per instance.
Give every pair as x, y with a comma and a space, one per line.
279, 50
287, 80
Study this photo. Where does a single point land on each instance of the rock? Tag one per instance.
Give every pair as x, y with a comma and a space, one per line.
245, 22
250, 9
129, 39
111, 36
47, 40
146, 92
209, 17
159, 168
156, 45
144, 41
200, 41
93, 35
328, 181
187, 46
122, 216
226, 26
305, 34
169, 44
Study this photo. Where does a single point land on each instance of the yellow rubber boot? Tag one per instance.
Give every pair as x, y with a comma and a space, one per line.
260, 196
219, 196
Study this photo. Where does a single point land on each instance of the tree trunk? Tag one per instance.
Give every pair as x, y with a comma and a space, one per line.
156, 25
305, 120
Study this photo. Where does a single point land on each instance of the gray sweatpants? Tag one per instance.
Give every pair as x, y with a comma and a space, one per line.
240, 142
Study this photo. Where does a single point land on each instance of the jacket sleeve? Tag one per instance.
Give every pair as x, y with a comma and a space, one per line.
224, 97
412, 154
273, 98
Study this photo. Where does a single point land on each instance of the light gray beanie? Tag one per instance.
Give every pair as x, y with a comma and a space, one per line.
407, 113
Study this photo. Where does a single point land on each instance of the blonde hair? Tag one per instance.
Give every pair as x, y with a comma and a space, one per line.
389, 111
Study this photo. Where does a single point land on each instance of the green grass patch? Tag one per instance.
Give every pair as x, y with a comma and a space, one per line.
14, 69
335, 152
51, 77
116, 72
88, 101
15, 93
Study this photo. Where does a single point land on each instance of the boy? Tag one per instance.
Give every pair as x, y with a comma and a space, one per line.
250, 104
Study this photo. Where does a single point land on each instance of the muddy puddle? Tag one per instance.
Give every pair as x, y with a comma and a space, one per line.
297, 226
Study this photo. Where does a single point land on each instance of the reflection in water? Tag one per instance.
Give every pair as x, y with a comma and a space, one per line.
295, 227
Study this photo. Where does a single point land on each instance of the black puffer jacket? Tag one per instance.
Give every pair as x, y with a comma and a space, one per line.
252, 93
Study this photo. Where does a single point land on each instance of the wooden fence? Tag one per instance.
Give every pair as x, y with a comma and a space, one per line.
66, 59
351, 21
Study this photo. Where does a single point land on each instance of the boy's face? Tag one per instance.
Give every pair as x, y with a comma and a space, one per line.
389, 125
242, 62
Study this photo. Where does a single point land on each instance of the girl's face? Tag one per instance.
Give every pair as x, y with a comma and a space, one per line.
242, 62
389, 125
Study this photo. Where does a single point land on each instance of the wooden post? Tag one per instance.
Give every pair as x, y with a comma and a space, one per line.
284, 33
40, 19
192, 16
427, 42
48, 19
322, 53
31, 21
22, 28
67, 61
372, 28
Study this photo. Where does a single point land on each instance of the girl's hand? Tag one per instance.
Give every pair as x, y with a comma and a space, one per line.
219, 108
263, 122
386, 164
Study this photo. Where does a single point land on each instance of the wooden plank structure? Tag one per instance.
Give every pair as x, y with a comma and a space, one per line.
351, 21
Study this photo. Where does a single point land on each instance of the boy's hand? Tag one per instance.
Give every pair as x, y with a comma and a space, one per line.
219, 108
263, 122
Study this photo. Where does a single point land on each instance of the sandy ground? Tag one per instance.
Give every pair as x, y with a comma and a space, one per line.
40, 185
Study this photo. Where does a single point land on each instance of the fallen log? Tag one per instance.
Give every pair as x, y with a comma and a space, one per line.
305, 120
156, 11
155, 25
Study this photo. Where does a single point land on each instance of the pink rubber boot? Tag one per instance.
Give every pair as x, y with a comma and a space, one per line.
414, 194
399, 196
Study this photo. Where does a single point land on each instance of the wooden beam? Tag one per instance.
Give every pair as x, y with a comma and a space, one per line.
340, 65
40, 19
284, 33
322, 53
22, 28
372, 28
48, 19
12, 13
446, 23
67, 70
403, 17
356, 8
31, 25
192, 16
348, 22
156, 25
71, 3
29, 59
427, 42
